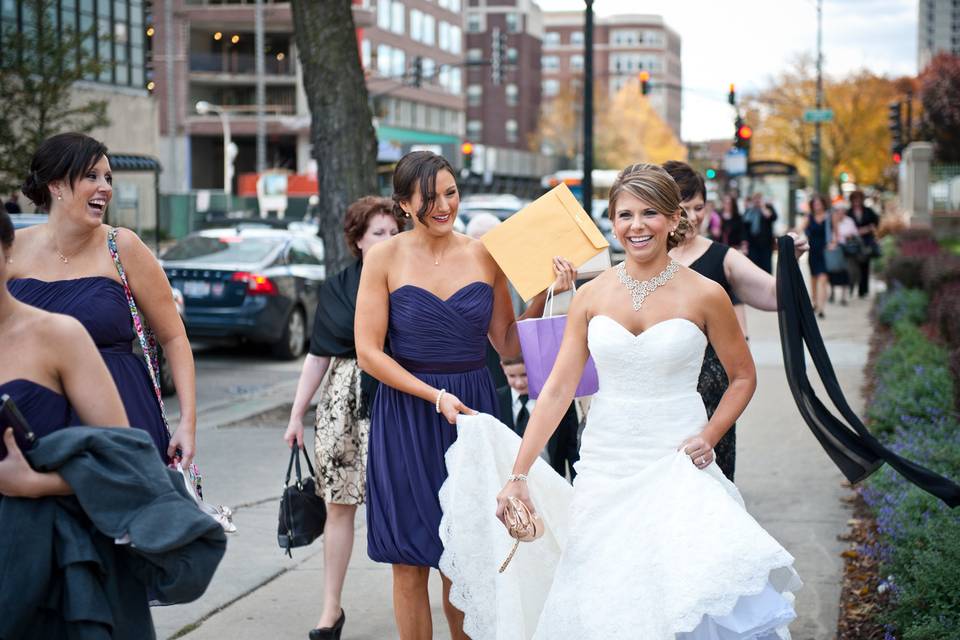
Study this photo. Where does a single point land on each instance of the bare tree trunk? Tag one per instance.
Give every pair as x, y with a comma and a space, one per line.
341, 127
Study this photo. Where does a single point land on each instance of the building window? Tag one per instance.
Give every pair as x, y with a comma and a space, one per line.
398, 63
512, 55
512, 95
444, 33
576, 37
475, 55
576, 63
384, 60
550, 63
455, 6
474, 22
511, 129
474, 129
396, 18
456, 40
365, 53
429, 30
551, 38
550, 88
429, 71
513, 23
416, 25
625, 37
383, 14
474, 95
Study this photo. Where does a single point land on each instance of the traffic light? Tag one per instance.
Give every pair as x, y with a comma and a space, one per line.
644, 82
732, 95
896, 130
711, 174
467, 150
897, 157
844, 176
742, 135
418, 71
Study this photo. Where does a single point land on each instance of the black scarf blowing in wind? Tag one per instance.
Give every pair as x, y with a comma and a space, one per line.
333, 326
851, 446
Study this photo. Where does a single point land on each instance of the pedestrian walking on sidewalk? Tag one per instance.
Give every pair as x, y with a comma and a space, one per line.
867, 221
758, 222
843, 238
733, 235
738, 276
343, 411
815, 228
440, 297
76, 265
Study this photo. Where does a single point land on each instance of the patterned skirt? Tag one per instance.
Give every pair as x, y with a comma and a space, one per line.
342, 435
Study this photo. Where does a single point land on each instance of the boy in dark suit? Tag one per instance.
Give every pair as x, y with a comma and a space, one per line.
562, 449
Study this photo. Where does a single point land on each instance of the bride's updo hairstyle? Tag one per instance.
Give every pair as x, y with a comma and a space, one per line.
653, 185
418, 167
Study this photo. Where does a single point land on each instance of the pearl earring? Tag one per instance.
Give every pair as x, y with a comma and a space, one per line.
59, 196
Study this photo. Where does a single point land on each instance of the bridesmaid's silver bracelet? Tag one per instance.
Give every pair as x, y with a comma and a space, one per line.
439, 396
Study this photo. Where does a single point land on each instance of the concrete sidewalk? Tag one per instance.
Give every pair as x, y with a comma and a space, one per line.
789, 484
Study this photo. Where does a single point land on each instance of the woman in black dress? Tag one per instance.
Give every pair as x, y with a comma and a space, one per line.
740, 277
815, 227
867, 221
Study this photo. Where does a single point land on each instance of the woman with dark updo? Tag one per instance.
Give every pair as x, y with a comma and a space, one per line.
67, 266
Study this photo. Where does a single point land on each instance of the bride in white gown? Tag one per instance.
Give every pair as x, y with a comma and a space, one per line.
652, 542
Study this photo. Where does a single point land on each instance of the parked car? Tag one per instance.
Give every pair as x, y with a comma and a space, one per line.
167, 387
599, 212
248, 282
503, 206
24, 220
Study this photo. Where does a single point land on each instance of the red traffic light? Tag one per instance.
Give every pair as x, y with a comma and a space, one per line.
897, 158
744, 132
467, 148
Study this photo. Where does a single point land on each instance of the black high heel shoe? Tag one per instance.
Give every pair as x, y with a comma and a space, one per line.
330, 633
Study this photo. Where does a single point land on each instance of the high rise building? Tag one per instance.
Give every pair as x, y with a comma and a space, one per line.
125, 28
938, 29
503, 71
412, 52
624, 46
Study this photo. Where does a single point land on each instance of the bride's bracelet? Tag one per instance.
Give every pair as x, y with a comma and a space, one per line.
439, 396
517, 477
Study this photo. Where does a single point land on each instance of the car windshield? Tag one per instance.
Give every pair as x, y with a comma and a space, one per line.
210, 249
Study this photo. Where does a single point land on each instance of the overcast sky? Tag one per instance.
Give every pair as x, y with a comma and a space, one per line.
749, 41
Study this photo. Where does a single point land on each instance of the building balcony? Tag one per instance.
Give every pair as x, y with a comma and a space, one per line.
241, 64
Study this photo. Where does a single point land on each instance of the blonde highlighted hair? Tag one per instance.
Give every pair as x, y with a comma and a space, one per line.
652, 184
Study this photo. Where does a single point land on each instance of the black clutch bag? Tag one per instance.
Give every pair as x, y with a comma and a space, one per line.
302, 511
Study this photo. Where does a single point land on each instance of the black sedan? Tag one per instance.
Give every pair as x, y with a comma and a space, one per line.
251, 283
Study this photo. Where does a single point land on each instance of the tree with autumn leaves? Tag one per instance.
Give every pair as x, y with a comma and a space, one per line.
856, 142
627, 130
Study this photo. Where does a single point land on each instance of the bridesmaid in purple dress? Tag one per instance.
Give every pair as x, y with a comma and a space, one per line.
50, 367
439, 296
65, 266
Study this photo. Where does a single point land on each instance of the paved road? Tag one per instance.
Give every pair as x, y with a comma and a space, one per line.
789, 485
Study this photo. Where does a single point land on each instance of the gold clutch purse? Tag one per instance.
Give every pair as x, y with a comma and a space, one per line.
522, 525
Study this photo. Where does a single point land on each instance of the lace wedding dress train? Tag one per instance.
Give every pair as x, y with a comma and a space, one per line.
644, 546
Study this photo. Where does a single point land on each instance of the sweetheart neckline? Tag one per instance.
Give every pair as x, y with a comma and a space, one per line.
81, 278
651, 327
444, 300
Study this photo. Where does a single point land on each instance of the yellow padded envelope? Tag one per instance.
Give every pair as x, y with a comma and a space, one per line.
552, 225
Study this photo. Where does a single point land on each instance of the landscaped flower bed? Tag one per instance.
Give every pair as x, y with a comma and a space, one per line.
912, 408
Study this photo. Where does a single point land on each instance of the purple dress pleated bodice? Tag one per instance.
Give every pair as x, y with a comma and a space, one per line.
44, 409
99, 303
443, 343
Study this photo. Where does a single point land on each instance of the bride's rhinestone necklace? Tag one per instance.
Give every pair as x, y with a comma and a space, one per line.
640, 290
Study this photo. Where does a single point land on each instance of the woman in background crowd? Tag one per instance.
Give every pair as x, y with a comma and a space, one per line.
343, 412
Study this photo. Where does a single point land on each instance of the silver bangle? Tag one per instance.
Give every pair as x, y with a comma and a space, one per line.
517, 477
439, 396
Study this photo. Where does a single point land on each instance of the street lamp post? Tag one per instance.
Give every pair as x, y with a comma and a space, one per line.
229, 149
587, 182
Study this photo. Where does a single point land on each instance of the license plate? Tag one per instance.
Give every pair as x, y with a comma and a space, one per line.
196, 289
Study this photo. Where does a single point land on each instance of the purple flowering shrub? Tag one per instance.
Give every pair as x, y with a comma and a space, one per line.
912, 411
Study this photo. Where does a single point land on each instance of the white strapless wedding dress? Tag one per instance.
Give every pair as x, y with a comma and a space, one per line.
644, 545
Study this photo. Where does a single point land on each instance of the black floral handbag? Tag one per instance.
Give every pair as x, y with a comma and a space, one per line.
302, 511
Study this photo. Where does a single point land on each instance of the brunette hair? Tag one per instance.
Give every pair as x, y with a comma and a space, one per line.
359, 215
418, 167
63, 156
655, 186
507, 362
6, 229
857, 195
690, 181
823, 201
734, 207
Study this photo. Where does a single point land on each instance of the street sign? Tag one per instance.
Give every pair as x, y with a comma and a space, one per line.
735, 162
818, 115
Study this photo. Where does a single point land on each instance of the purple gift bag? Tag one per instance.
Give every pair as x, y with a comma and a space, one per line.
540, 343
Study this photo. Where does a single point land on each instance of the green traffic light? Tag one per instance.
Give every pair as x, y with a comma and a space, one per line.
711, 174
844, 176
